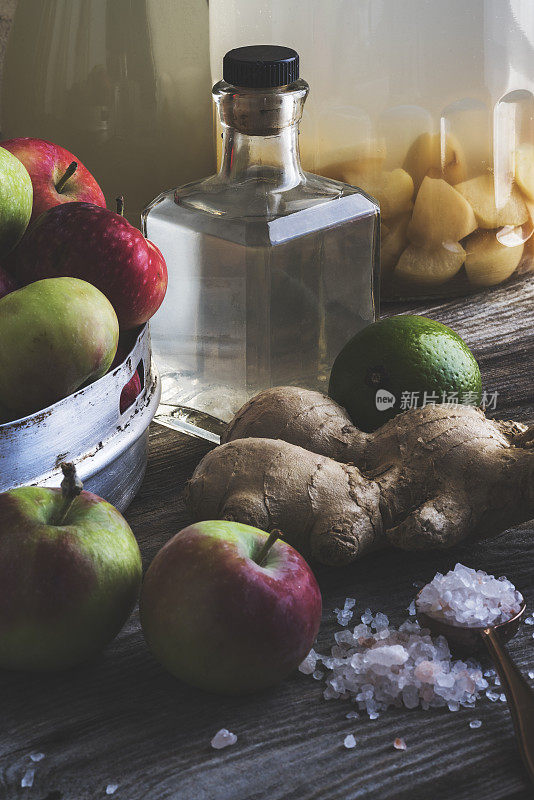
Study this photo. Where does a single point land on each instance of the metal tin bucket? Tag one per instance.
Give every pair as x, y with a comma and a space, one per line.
108, 448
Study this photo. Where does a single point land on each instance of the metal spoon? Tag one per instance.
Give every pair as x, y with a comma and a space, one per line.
518, 693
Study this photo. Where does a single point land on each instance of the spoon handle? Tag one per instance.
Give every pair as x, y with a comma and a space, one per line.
519, 695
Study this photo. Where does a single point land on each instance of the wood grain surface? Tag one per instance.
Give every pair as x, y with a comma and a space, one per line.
123, 720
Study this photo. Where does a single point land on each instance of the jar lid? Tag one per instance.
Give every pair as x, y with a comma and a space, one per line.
261, 66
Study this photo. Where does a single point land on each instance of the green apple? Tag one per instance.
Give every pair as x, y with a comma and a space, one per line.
70, 572
55, 336
16, 200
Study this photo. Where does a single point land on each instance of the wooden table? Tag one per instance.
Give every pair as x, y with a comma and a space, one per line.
123, 720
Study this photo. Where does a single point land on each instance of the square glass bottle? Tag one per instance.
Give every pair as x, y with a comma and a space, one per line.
271, 269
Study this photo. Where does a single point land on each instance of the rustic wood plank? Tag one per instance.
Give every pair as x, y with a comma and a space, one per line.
122, 719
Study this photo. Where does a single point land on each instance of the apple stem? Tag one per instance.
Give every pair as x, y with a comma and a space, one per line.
71, 486
120, 205
69, 172
273, 536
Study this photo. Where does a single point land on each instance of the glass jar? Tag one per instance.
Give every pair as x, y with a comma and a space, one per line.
271, 269
428, 106
123, 84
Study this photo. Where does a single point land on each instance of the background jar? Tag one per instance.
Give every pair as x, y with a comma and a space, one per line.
429, 107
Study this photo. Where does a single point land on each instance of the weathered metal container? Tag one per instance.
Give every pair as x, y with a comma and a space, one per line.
87, 428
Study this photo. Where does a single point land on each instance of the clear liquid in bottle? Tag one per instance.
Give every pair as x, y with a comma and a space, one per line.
271, 270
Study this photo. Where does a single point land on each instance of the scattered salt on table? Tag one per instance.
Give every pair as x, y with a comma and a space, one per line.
378, 667
468, 597
27, 778
223, 738
349, 741
399, 744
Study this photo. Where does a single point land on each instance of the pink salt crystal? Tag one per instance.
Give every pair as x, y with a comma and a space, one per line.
399, 744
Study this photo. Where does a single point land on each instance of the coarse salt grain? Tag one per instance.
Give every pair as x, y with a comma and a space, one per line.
308, 665
471, 598
344, 615
399, 744
37, 756
475, 723
27, 779
223, 738
349, 741
531, 674
111, 788
378, 668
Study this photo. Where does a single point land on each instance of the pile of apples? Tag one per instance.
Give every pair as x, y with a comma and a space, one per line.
73, 277
442, 219
223, 606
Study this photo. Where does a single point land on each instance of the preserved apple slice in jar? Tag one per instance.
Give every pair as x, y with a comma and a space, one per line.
489, 261
524, 169
430, 267
431, 151
480, 194
441, 214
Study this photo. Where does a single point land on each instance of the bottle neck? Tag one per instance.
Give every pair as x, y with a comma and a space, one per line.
260, 134
273, 159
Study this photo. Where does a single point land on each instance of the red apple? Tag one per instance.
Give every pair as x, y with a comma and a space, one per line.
7, 284
81, 240
228, 609
70, 571
132, 389
48, 164
130, 392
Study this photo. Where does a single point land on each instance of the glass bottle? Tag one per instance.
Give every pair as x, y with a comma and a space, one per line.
271, 269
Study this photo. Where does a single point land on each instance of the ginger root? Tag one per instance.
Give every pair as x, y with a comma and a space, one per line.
430, 477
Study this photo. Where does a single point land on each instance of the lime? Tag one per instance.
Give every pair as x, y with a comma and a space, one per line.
399, 363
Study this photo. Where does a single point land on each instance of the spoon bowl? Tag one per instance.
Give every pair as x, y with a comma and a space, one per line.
468, 639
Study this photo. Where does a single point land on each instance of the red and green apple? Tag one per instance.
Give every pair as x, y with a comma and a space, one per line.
228, 609
81, 240
70, 571
57, 175
56, 335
